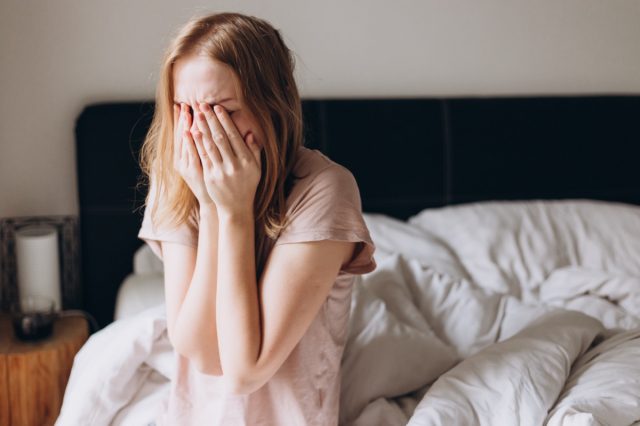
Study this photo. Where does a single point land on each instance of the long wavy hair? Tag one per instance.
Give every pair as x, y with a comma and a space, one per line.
264, 68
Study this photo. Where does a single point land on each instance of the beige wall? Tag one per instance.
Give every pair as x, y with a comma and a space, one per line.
58, 56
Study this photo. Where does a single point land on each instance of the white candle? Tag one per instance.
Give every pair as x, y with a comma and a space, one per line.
37, 262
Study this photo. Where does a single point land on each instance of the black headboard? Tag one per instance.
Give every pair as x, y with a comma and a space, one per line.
406, 154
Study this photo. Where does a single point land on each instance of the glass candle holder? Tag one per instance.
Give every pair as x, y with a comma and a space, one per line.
33, 317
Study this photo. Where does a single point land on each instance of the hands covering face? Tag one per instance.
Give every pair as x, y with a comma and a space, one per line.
218, 165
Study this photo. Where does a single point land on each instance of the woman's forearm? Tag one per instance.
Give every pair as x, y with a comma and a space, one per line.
240, 338
195, 327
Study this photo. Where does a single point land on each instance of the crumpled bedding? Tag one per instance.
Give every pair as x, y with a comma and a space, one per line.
539, 301
499, 313
129, 360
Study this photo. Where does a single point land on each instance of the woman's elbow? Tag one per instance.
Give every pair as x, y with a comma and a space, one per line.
238, 385
206, 366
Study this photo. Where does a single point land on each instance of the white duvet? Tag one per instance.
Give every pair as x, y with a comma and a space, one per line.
503, 313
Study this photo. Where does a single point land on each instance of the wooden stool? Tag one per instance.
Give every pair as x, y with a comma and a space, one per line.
34, 375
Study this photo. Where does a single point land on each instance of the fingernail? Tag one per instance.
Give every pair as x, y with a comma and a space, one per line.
204, 106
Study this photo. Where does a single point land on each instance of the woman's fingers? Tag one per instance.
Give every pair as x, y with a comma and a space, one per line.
218, 134
201, 152
211, 148
237, 142
193, 159
255, 150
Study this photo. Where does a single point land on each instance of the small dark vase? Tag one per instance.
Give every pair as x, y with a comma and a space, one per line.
33, 318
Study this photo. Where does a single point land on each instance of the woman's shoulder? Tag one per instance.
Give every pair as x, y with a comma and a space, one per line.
316, 170
310, 162
326, 205
323, 181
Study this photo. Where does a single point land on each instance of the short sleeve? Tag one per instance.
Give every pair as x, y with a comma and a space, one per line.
185, 233
329, 208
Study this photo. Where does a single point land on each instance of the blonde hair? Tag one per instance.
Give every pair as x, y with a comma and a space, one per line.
264, 69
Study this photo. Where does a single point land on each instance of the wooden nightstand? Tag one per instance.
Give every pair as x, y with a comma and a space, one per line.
34, 375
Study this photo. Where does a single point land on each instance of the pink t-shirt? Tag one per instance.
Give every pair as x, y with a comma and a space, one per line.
324, 205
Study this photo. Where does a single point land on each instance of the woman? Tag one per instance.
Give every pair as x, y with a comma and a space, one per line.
260, 236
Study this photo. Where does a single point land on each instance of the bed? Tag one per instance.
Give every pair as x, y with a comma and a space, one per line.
508, 250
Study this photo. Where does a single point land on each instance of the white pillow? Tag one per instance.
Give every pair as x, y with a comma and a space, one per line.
139, 292
146, 262
512, 246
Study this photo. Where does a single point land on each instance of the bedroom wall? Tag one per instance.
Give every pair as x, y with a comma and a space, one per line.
60, 56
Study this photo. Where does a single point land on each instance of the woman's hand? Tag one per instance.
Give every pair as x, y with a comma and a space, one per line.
186, 159
231, 166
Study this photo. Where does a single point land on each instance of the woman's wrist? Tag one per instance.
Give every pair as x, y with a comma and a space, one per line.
208, 210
